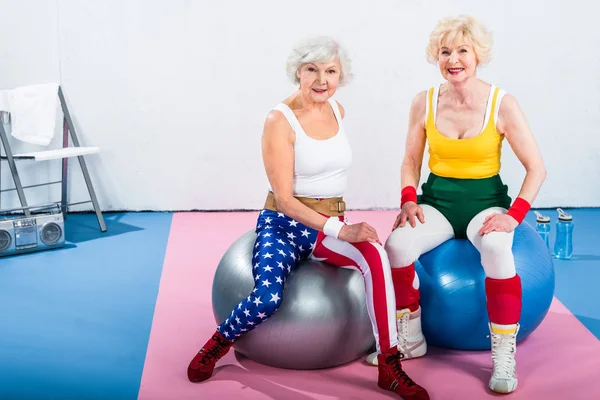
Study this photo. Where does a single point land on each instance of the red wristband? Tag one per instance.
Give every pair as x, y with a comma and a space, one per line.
519, 209
409, 193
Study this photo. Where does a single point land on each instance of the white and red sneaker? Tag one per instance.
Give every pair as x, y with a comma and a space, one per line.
411, 341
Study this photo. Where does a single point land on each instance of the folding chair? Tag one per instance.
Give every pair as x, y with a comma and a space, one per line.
63, 153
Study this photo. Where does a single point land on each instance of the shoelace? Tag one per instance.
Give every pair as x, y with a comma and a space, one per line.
403, 328
503, 350
213, 352
394, 361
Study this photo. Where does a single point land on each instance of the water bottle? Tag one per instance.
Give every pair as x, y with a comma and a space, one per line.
563, 245
543, 227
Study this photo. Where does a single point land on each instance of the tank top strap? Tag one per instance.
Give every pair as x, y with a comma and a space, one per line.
336, 110
289, 116
490, 107
431, 105
498, 95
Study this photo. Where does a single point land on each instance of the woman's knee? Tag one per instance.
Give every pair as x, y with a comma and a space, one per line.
478, 220
400, 248
406, 244
497, 244
374, 257
269, 302
496, 255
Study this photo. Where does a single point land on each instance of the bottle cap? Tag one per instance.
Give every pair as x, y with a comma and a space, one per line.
563, 216
541, 218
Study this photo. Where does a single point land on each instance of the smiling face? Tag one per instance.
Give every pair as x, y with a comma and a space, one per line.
457, 60
319, 81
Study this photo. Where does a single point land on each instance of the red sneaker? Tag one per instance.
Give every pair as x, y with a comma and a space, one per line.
393, 378
203, 364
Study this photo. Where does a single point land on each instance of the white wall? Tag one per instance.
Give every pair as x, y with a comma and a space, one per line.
175, 92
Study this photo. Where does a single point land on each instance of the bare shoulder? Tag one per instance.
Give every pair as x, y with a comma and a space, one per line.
276, 125
419, 101
508, 105
342, 111
276, 120
418, 106
510, 114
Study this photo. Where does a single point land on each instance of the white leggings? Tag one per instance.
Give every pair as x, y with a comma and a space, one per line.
405, 245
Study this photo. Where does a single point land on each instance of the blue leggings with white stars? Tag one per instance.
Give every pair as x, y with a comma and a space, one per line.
280, 244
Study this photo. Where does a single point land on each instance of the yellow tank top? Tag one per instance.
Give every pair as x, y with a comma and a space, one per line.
472, 158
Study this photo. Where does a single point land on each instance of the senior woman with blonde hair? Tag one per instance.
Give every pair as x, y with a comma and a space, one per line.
464, 120
306, 157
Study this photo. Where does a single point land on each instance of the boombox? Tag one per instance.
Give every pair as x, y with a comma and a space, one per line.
34, 233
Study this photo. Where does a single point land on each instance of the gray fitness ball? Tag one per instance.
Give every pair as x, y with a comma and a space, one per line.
322, 320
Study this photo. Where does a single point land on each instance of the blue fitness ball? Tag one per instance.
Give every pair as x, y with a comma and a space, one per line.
453, 301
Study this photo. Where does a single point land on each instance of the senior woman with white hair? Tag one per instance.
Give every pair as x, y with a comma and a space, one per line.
306, 156
464, 121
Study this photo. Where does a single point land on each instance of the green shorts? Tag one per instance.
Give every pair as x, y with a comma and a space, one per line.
459, 200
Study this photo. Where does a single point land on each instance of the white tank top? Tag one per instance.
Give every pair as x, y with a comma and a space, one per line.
320, 166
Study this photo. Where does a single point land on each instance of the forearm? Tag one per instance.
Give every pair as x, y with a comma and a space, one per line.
410, 175
529, 190
534, 178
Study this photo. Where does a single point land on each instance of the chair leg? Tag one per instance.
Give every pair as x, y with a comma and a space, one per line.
65, 171
1, 174
88, 182
13, 170
86, 175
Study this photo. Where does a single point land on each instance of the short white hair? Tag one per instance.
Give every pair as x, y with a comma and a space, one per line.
465, 27
318, 49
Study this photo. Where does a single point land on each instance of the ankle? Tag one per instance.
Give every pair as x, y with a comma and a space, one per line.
404, 280
503, 329
389, 355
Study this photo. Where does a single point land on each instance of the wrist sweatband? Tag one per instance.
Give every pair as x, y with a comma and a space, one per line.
409, 193
332, 227
519, 209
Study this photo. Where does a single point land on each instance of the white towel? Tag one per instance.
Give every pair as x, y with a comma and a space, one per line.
33, 112
3, 102
4, 108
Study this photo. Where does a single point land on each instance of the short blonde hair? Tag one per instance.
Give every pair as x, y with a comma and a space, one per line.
318, 49
449, 29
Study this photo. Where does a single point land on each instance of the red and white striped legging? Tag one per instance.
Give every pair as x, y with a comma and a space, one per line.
372, 262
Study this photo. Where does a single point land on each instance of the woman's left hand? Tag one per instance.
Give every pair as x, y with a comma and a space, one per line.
498, 223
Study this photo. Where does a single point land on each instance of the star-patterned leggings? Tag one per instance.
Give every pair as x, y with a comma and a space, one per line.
281, 243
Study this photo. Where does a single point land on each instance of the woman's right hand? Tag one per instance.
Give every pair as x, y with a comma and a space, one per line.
356, 233
409, 211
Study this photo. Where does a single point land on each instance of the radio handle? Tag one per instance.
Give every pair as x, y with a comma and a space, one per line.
40, 206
